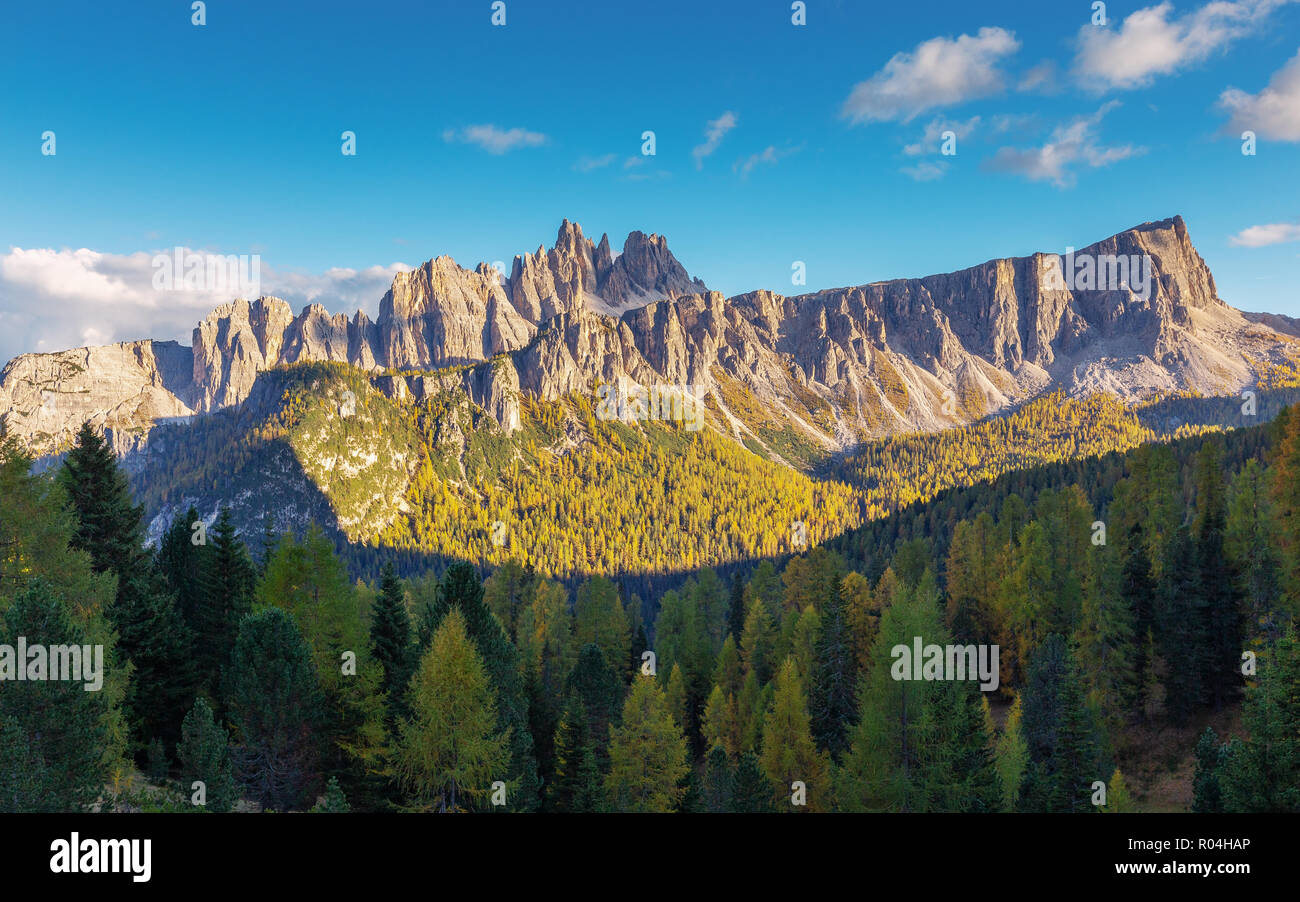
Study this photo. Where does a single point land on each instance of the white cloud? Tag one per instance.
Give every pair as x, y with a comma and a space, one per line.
1040, 78
1152, 42
1272, 113
590, 164
1264, 235
1073, 143
769, 155
494, 139
51, 300
713, 134
938, 72
933, 135
926, 170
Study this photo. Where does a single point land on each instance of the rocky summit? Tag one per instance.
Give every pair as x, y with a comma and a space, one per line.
835, 366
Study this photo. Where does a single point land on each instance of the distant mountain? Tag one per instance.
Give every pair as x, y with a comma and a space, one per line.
792, 378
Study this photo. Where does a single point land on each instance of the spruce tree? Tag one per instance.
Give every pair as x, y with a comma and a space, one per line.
204, 756
752, 793
51, 731
227, 579
390, 634
832, 697
274, 699
1059, 734
1207, 796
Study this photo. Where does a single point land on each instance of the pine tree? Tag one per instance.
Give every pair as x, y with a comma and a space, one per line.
204, 755
736, 607
310, 582
832, 699
1059, 734
647, 753
1262, 774
274, 698
181, 563
1183, 627
719, 784
390, 635
450, 750
752, 793
334, 800
151, 633
577, 786
1207, 796
1218, 581
596, 685
226, 578
51, 731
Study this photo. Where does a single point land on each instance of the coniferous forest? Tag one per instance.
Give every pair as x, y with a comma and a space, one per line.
1143, 605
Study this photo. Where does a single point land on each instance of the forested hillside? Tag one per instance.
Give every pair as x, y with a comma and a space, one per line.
1138, 591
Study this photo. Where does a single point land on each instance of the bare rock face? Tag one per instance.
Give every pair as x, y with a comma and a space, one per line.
835, 366
232, 344
122, 389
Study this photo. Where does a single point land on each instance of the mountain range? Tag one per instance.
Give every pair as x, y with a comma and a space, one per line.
832, 368
796, 380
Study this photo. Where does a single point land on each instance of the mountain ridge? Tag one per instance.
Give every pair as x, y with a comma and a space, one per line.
832, 367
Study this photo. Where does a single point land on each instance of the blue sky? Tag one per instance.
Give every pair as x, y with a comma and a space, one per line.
476, 140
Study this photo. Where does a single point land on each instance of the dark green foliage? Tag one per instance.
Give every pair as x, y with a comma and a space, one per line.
832, 701
1207, 795
274, 698
204, 756
752, 793
334, 802
227, 578
51, 736
719, 785
151, 632
390, 633
1059, 734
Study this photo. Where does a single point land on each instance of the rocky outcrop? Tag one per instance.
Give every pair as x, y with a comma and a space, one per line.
834, 366
121, 389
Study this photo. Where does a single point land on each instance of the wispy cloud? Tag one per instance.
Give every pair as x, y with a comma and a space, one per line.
590, 164
714, 132
1071, 144
938, 72
770, 155
926, 170
930, 140
1152, 41
1265, 235
494, 139
1272, 113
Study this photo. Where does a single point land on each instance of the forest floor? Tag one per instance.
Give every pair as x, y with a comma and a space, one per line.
1159, 761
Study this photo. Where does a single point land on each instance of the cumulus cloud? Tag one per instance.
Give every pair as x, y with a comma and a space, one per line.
1264, 235
714, 132
51, 300
1153, 41
1069, 145
494, 139
938, 72
1272, 113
